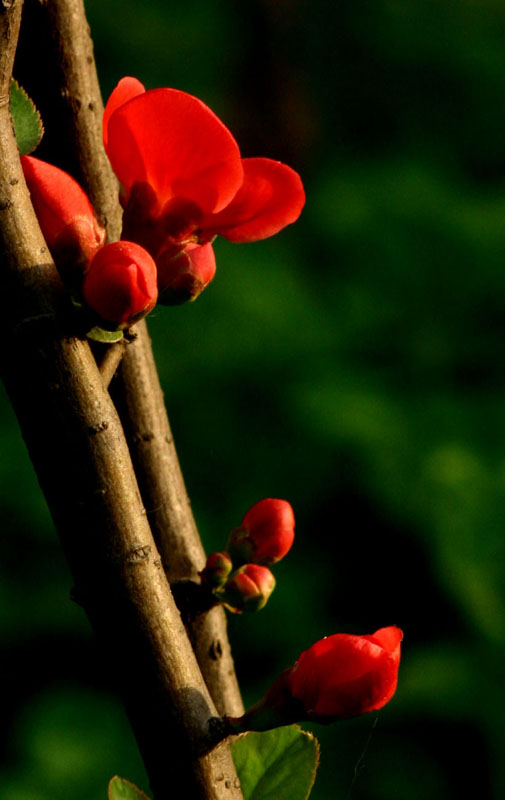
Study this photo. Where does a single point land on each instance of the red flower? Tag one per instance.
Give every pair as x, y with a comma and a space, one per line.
120, 285
339, 677
343, 675
265, 535
248, 589
182, 178
66, 217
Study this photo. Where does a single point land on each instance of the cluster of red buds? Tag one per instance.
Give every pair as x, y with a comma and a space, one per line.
182, 182
340, 676
239, 577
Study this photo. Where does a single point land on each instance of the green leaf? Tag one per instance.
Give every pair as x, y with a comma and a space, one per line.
27, 122
101, 335
276, 765
121, 789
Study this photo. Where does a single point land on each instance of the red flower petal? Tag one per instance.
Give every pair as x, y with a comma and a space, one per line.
126, 89
63, 209
270, 198
176, 144
389, 638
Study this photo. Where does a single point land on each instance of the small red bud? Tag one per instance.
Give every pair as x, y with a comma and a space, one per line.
184, 274
265, 535
120, 284
248, 589
339, 677
217, 569
64, 212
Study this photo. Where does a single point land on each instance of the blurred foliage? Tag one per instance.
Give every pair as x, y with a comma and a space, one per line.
354, 365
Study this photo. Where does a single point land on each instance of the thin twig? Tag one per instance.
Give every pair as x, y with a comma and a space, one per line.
108, 358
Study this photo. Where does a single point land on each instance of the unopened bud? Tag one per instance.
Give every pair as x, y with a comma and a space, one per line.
120, 284
217, 569
66, 217
248, 589
184, 274
265, 535
339, 677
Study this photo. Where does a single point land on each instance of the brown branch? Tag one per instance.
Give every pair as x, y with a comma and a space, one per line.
141, 406
81, 457
108, 358
143, 412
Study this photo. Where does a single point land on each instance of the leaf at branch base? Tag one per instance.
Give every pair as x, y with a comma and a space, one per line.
121, 789
27, 122
279, 764
101, 335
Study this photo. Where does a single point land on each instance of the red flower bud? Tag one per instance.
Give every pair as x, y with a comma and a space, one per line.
184, 274
265, 535
66, 217
217, 569
248, 589
120, 285
343, 675
339, 677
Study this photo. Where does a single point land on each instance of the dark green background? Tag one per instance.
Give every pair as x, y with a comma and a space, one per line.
354, 364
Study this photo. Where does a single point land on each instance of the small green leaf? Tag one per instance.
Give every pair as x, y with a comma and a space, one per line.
101, 335
276, 765
27, 122
121, 789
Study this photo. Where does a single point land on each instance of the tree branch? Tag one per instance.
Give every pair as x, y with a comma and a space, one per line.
140, 403
78, 448
142, 412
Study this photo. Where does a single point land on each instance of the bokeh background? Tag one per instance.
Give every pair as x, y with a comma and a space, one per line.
353, 365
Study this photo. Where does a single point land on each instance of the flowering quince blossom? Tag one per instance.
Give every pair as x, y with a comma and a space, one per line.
183, 181
344, 675
265, 534
66, 217
339, 677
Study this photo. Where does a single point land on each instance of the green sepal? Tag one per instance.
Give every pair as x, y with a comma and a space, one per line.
121, 789
28, 126
281, 763
101, 335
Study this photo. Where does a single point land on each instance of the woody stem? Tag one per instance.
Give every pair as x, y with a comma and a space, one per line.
137, 389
